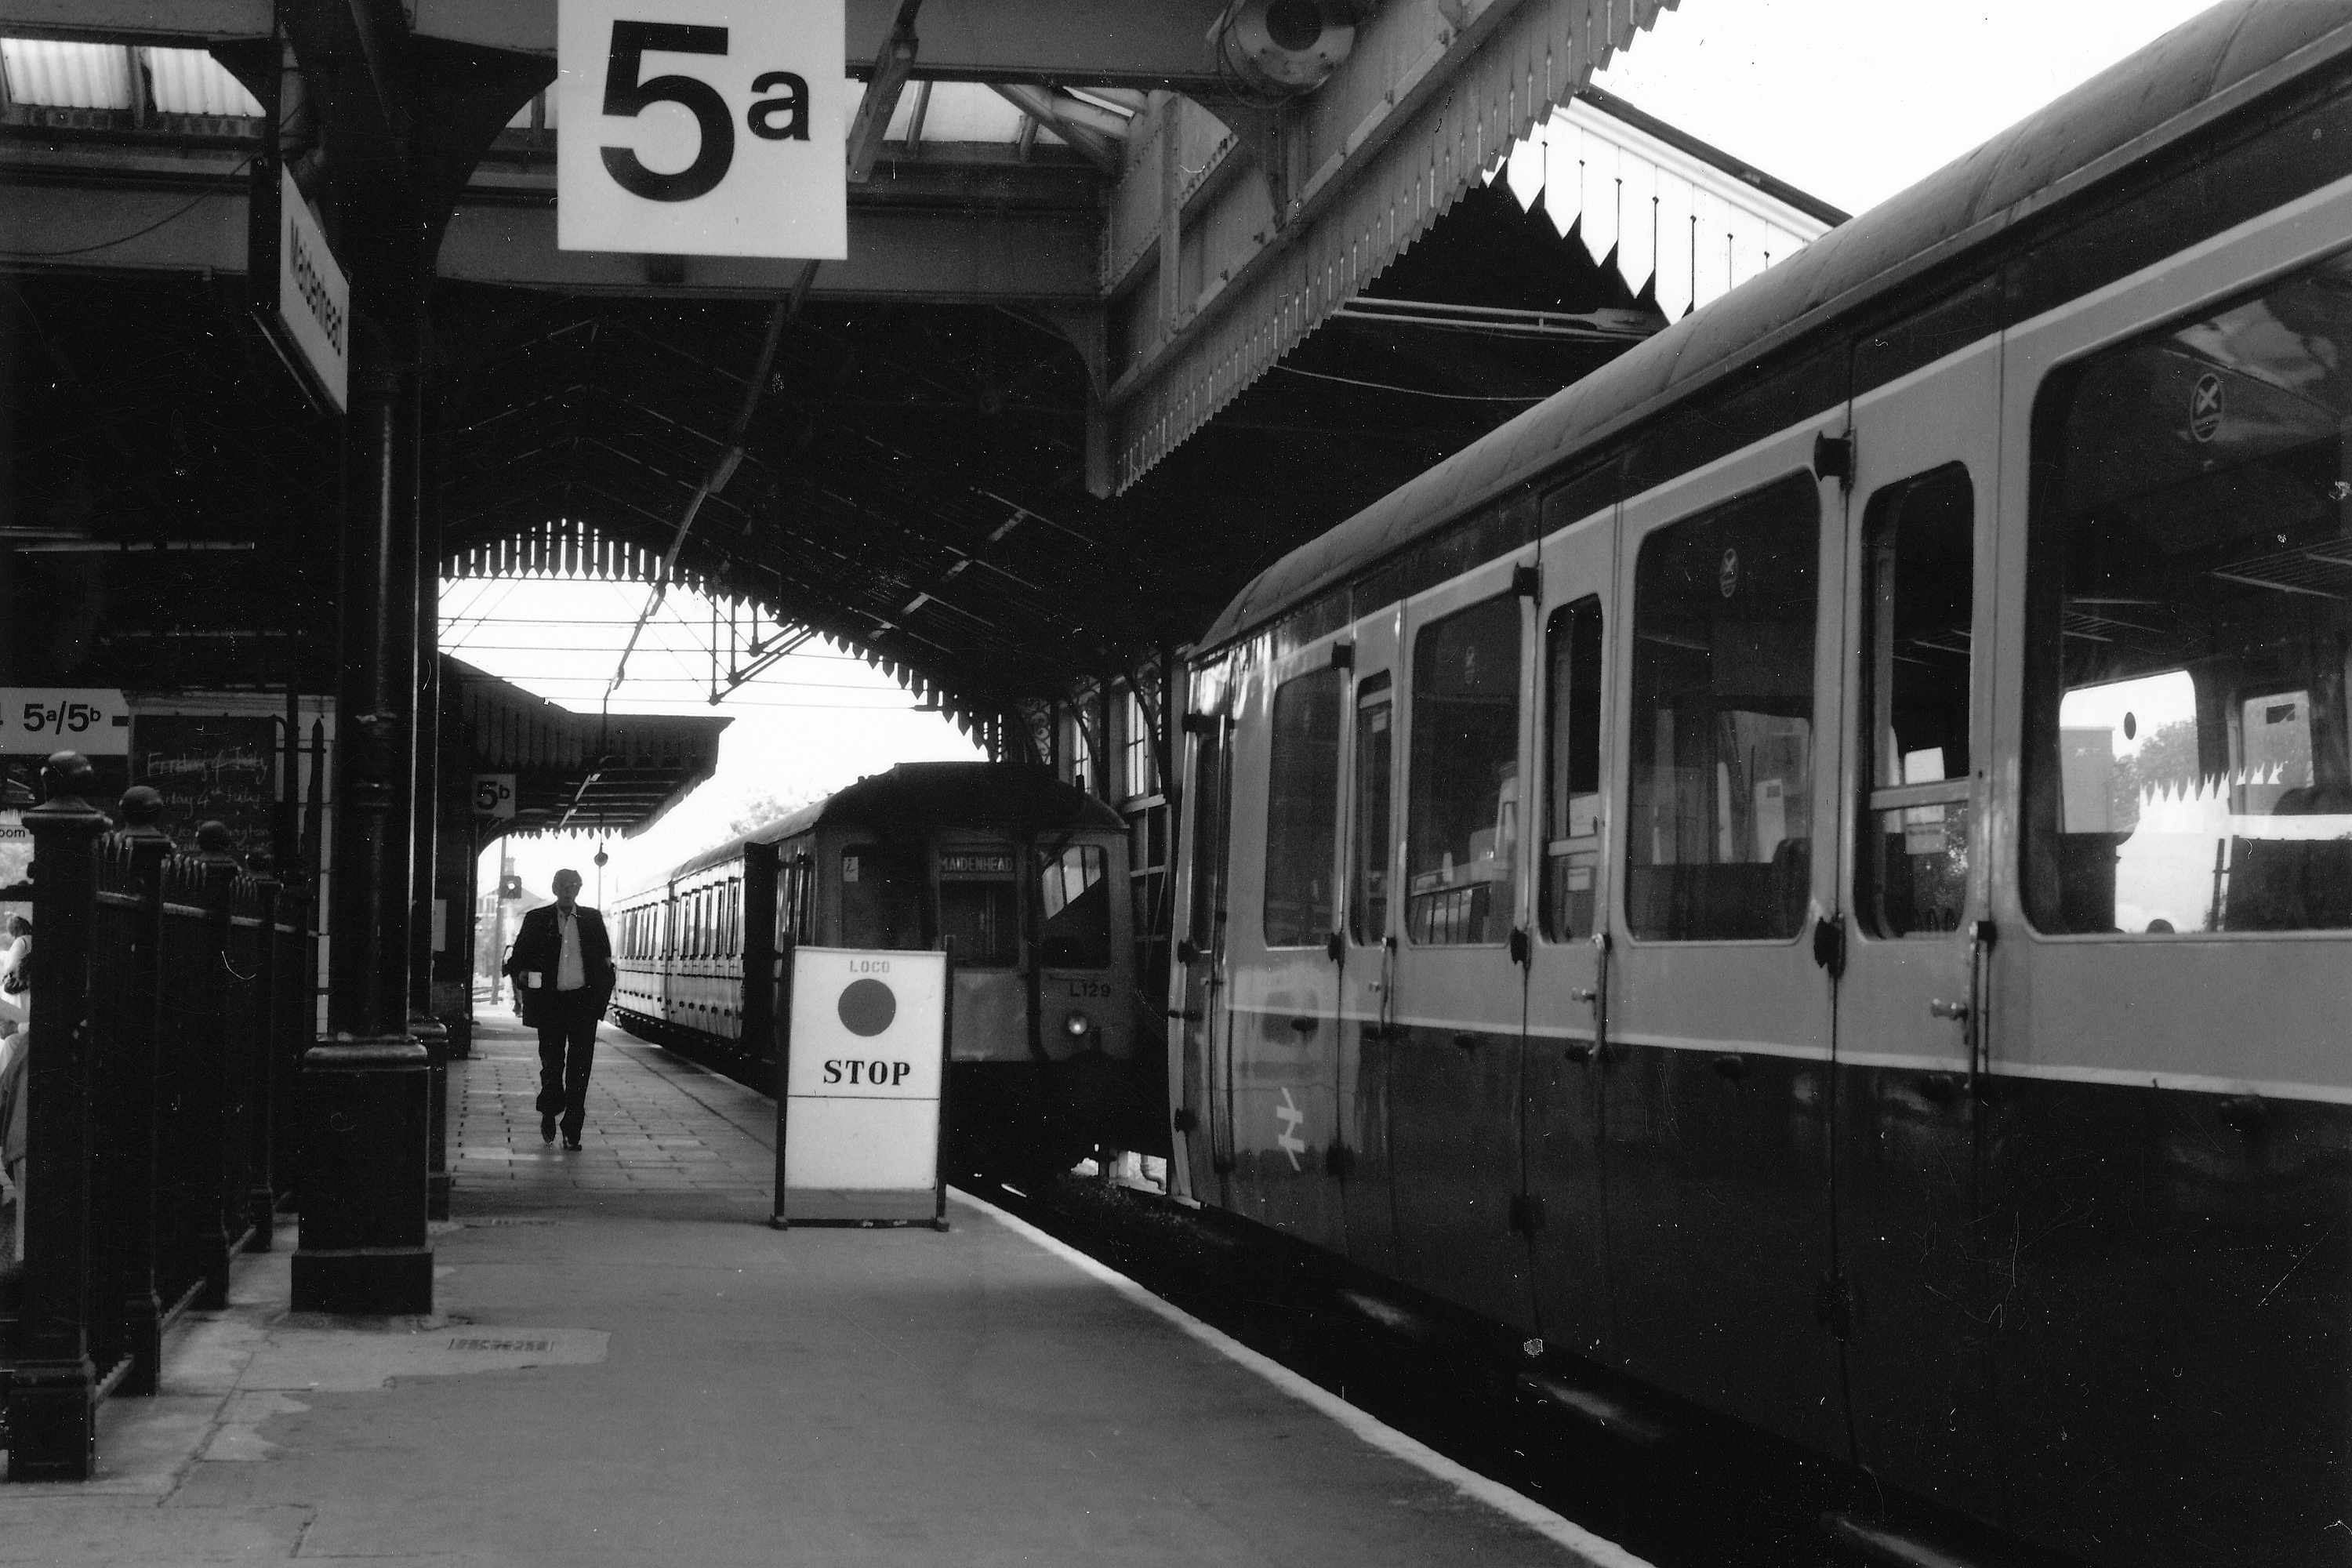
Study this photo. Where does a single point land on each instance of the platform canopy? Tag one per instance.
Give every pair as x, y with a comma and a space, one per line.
1117, 326
571, 773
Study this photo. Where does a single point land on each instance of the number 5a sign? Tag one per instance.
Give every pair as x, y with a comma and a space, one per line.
701, 128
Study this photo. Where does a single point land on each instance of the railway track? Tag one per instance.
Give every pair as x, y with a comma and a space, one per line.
1666, 1482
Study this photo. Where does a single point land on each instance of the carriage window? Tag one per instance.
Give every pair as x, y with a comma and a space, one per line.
1572, 770
2189, 622
1918, 600
1368, 878
1302, 813
1074, 909
1720, 836
879, 907
1463, 805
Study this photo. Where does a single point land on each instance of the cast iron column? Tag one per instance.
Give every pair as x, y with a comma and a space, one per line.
366, 1082
424, 801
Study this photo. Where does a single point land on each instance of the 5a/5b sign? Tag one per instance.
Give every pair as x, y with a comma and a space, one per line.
701, 128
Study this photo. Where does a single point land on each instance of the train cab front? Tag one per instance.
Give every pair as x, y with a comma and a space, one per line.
1042, 1038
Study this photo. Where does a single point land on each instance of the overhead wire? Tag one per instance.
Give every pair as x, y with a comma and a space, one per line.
1413, 391
715, 478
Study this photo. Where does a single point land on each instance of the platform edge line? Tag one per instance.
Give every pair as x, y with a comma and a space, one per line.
1594, 1550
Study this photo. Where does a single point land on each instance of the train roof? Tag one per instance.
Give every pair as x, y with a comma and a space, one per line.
2209, 66
982, 794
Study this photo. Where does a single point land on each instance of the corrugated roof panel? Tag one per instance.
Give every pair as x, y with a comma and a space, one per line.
67, 76
190, 81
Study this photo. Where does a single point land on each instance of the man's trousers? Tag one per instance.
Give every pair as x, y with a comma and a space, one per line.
567, 1048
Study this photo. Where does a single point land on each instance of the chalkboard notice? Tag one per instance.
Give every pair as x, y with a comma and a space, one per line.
208, 768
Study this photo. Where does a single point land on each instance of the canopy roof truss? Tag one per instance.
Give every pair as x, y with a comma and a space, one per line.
984, 452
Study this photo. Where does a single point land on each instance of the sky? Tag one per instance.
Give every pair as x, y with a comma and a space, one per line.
1850, 101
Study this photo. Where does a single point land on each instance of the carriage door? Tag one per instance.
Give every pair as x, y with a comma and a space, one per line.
1918, 539
1562, 1212
1460, 996
1284, 952
1198, 1072
1716, 1093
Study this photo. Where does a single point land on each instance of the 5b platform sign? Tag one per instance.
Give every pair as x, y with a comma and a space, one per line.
701, 128
857, 1127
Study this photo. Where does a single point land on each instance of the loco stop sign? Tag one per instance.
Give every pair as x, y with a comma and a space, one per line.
857, 1127
701, 128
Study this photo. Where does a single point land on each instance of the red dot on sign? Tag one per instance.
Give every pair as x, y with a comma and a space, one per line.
866, 1007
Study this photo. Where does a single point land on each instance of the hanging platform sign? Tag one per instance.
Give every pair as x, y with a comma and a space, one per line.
35, 721
701, 128
301, 296
858, 1124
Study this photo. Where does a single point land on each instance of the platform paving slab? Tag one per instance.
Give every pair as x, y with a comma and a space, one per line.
627, 1367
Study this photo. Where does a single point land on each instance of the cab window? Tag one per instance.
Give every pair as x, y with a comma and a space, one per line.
879, 903
1074, 907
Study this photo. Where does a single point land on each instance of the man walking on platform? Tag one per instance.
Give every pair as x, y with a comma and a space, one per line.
561, 964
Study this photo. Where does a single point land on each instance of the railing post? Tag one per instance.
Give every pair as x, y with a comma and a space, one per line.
265, 1066
209, 1092
52, 1386
132, 1089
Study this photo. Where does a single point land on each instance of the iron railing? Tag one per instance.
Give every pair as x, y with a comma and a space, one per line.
169, 1004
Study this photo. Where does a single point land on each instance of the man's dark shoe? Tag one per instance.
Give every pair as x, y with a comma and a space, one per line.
572, 1144
547, 1129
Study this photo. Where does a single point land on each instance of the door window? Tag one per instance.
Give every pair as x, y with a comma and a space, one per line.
1367, 874
1302, 814
1918, 603
1719, 844
2188, 623
1572, 770
1207, 846
1463, 805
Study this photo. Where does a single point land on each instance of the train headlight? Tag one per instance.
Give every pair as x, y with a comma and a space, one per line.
1078, 1025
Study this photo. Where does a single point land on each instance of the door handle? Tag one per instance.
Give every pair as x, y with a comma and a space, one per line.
1955, 1011
1584, 994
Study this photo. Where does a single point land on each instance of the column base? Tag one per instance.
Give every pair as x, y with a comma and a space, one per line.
363, 1248
391, 1282
52, 1421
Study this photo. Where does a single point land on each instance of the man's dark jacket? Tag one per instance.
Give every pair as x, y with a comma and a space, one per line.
539, 945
